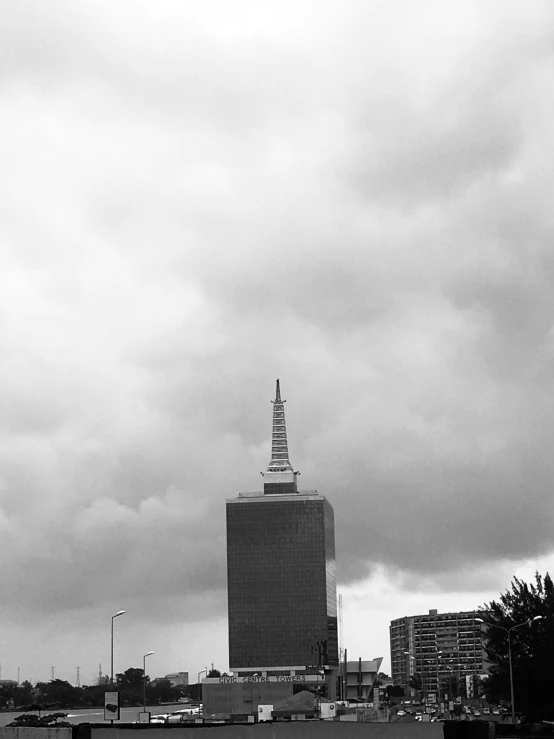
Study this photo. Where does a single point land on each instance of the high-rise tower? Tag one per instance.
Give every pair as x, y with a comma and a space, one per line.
281, 572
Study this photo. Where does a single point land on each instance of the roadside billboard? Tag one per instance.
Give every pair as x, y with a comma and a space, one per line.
111, 705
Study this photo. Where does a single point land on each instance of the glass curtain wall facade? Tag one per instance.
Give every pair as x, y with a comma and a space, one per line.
281, 581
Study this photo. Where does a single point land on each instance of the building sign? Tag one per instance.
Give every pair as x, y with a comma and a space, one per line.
231, 679
111, 706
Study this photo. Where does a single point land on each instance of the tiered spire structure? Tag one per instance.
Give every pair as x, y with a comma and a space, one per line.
280, 477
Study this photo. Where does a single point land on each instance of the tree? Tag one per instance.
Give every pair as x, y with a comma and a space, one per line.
59, 694
130, 684
394, 691
131, 679
214, 673
416, 685
161, 691
532, 647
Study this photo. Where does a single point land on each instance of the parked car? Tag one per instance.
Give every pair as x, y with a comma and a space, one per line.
401, 713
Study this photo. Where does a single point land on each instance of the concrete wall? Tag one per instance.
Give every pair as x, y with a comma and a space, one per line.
242, 697
284, 730
14, 732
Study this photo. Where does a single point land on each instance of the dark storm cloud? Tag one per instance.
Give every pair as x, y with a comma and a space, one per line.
200, 202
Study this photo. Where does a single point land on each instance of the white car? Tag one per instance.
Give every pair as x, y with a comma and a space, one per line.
401, 713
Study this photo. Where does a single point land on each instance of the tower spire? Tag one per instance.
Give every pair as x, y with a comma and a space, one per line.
280, 477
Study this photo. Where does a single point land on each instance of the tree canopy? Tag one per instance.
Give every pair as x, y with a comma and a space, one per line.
532, 647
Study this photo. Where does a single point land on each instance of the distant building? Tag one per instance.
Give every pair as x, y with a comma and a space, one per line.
177, 678
281, 583
281, 572
360, 677
438, 651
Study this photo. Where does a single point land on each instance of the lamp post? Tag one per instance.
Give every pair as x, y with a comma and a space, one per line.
119, 613
199, 685
509, 632
438, 679
144, 679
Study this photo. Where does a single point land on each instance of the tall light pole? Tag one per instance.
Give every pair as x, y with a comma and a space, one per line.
144, 679
199, 685
438, 679
509, 632
119, 613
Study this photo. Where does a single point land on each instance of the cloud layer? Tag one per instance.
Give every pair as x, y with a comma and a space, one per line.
352, 197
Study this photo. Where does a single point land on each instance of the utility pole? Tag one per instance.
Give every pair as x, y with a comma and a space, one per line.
18, 675
53, 668
78, 680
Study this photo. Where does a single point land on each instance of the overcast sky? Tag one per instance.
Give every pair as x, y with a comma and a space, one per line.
198, 197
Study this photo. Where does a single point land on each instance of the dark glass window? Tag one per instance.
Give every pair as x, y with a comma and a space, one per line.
281, 582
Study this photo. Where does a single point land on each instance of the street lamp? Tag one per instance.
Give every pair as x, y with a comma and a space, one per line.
144, 679
509, 632
119, 613
438, 678
198, 680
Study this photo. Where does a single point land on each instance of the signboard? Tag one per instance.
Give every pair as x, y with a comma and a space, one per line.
265, 713
431, 698
328, 710
111, 706
144, 717
376, 696
469, 686
260, 679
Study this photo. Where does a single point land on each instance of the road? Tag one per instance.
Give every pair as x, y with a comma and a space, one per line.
96, 715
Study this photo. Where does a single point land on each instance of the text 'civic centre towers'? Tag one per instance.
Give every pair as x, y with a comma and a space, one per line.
281, 571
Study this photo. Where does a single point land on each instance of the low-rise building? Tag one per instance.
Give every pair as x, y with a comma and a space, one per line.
177, 678
360, 676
